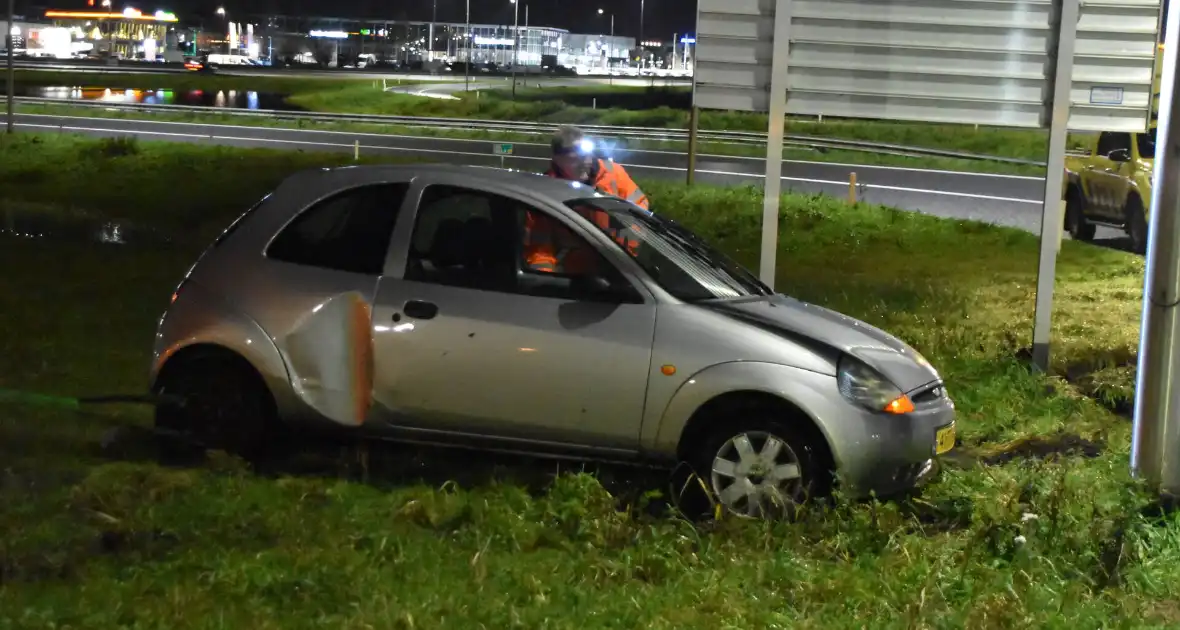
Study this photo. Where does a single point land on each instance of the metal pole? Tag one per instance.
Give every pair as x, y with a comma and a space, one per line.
1054, 174
467, 66
610, 71
774, 140
430, 34
11, 127
641, 3
694, 119
515, 42
1154, 441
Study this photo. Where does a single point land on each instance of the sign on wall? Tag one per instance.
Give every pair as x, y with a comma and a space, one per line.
985, 62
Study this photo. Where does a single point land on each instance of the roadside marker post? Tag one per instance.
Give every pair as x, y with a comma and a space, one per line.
1060, 65
1155, 441
502, 149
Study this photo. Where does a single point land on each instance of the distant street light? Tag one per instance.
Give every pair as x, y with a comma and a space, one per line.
609, 46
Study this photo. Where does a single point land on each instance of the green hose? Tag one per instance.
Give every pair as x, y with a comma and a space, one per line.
70, 402
43, 400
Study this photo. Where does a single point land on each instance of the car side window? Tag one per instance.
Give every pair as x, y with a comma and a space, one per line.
488, 242
1109, 142
349, 231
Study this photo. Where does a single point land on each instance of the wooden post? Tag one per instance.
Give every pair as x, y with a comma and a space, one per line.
852, 189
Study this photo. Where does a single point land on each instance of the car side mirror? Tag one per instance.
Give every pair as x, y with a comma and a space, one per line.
599, 288
1120, 155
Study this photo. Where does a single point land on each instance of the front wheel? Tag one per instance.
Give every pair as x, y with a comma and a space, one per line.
1075, 219
762, 468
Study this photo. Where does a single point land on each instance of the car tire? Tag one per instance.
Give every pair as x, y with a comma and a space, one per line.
1075, 218
1136, 225
725, 458
217, 401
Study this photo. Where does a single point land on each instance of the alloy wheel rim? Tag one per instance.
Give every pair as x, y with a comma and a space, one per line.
755, 472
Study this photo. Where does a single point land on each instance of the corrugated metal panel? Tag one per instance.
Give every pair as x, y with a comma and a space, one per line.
1113, 65
955, 61
734, 53
964, 61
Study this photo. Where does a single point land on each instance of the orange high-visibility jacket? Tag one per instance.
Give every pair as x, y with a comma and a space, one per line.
611, 179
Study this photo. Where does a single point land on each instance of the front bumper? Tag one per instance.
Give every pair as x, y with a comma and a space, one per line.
895, 453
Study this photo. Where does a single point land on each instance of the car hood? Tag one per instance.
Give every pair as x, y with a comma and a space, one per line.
810, 324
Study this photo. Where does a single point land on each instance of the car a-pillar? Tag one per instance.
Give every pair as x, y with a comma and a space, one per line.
713, 434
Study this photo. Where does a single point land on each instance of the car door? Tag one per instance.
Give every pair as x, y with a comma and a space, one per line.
467, 340
313, 288
1106, 191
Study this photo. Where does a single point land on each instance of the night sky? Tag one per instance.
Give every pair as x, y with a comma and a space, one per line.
663, 17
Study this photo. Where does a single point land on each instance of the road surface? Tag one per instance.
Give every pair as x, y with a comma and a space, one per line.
1008, 200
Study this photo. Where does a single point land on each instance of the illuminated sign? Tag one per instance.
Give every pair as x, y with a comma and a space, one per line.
364, 31
492, 41
329, 34
688, 40
127, 14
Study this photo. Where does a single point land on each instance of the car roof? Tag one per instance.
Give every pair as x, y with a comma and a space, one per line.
557, 189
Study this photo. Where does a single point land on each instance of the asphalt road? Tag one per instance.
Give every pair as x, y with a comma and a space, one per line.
1000, 199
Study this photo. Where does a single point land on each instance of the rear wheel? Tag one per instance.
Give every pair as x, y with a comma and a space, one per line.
216, 400
1137, 224
1075, 217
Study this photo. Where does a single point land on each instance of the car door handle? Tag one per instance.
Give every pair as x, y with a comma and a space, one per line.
420, 310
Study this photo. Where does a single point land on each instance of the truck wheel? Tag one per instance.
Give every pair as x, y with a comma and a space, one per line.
1137, 225
1075, 218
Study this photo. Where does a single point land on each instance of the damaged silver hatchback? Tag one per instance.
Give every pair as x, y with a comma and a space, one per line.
508, 311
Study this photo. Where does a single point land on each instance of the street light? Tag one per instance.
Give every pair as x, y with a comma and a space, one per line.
609, 46
467, 62
515, 42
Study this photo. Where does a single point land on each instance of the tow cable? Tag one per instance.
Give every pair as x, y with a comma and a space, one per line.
73, 402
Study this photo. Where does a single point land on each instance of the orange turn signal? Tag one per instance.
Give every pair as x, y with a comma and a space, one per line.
900, 405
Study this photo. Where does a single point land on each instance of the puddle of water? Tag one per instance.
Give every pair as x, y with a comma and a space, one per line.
42, 225
229, 99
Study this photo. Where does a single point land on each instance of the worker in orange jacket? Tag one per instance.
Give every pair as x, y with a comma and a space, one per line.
575, 159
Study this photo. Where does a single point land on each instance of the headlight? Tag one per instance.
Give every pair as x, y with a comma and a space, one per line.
864, 386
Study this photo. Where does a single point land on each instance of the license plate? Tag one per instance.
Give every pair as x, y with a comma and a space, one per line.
944, 440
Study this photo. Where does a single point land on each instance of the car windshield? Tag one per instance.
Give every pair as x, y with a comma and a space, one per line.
1147, 144
680, 261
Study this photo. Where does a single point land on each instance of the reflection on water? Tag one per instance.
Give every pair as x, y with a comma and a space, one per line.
233, 99
54, 227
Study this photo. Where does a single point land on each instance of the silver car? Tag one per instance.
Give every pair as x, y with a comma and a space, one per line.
405, 302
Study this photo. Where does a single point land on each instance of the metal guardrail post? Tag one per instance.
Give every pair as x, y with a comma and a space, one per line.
693, 122
10, 43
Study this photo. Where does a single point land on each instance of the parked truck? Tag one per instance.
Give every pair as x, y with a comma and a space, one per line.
1111, 186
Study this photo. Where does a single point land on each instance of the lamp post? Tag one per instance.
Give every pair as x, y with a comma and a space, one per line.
609, 47
515, 42
430, 33
641, 12
467, 64
11, 43
221, 12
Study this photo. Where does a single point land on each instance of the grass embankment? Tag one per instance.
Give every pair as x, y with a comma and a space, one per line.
106, 538
619, 106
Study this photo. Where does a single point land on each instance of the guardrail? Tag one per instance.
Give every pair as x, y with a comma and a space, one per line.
655, 134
